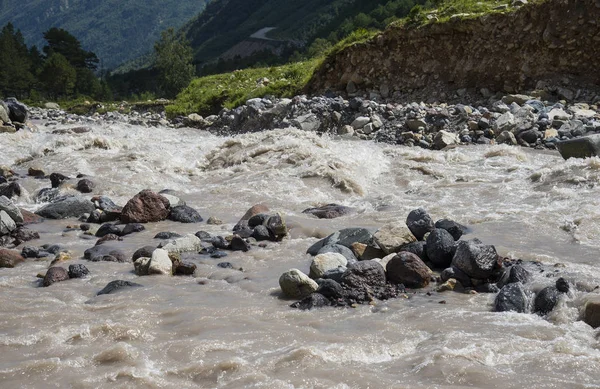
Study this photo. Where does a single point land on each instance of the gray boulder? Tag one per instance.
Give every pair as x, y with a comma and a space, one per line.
583, 147
18, 112
295, 284
512, 298
67, 207
11, 209
184, 214
337, 248
7, 224
323, 263
475, 259
364, 274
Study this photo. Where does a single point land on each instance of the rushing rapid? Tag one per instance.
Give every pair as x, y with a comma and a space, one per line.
227, 328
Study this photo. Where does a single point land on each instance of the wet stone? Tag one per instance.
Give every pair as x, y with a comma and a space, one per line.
78, 271
118, 285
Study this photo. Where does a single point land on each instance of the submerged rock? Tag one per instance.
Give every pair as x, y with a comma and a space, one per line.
547, 298
329, 211
314, 300
78, 271
54, 275
117, 285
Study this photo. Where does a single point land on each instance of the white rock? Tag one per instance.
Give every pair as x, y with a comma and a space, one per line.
322, 263
188, 243
174, 201
444, 139
7, 224
391, 237
160, 263
11, 209
360, 122
506, 122
295, 284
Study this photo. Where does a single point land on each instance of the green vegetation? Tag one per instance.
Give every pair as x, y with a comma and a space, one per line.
174, 62
207, 95
117, 30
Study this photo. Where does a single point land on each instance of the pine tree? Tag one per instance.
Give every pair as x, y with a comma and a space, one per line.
16, 78
58, 76
174, 57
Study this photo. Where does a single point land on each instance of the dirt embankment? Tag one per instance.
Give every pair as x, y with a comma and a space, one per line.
553, 46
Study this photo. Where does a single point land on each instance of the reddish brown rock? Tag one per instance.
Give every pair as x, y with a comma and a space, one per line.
30, 217
145, 207
10, 258
255, 210
408, 269
55, 274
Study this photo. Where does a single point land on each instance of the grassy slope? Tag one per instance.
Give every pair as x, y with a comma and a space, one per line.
116, 30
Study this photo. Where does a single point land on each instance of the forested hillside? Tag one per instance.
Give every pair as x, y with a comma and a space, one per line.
225, 23
116, 30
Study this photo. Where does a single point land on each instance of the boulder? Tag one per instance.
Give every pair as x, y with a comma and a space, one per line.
360, 122
167, 235
440, 247
444, 139
185, 268
145, 207
105, 253
11, 209
10, 190
476, 260
7, 224
188, 243
277, 227
337, 248
515, 273
74, 206
331, 289
184, 214
17, 112
10, 258
506, 137
408, 269
419, 222
547, 298
4, 112
85, 186
329, 211
364, 275
132, 228
295, 284
391, 237
512, 298
145, 251
261, 233
54, 275
346, 237
419, 248
117, 285
239, 244
313, 300
160, 263
56, 179
583, 147
107, 229
323, 263
78, 271
24, 234
254, 210
455, 229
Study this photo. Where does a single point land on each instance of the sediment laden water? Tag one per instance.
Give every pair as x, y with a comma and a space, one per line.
229, 329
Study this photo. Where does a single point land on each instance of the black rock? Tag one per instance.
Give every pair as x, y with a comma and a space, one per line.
52, 248
115, 286
85, 186
246, 232
512, 298
418, 248
530, 136
331, 289
56, 179
345, 237
185, 269
167, 235
78, 271
239, 244
10, 190
276, 227
55, 274
100, 252
106, 229
184, 214
106, 204
547, 298
132, 228
475, 259
67, 207
338, 248
220, 243
258, 220
225, 265
515, 273
440, 248
17, 112
218, 254
314, 300
364, 274
30, 252
144, 252
419, 223
562, 285
336, 274
329, 211
455, 229
204, 236
260, 233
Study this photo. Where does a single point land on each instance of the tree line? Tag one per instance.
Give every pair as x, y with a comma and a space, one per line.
64, 70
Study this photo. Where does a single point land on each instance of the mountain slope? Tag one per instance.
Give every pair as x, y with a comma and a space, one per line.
116, 30
226, 23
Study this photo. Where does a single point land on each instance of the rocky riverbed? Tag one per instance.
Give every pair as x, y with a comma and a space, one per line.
475, 264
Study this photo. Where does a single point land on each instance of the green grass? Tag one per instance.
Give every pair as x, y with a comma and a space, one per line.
208, 95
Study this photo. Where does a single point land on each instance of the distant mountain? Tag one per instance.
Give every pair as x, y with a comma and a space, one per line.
116, 30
